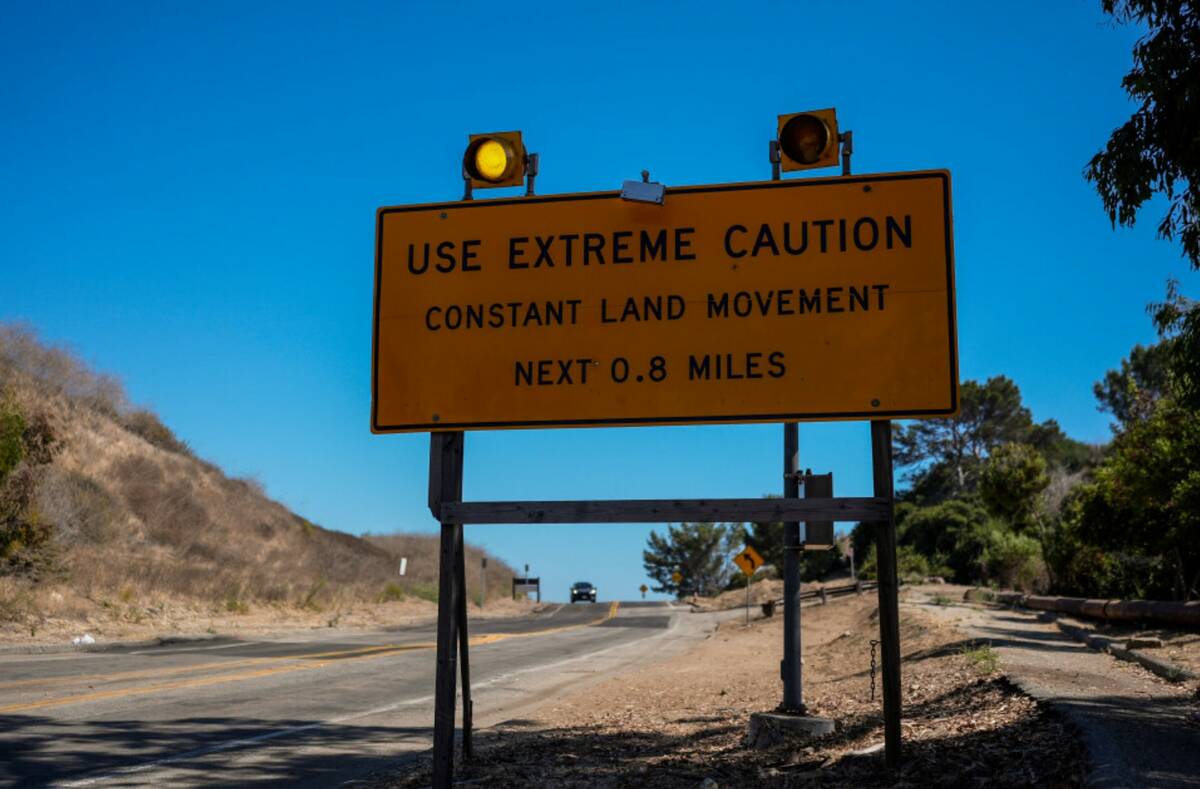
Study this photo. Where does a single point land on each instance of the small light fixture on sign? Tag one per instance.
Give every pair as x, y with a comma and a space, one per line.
495, 159
808, 139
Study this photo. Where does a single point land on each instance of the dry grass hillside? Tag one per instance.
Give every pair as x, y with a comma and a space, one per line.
422, 550
101, 505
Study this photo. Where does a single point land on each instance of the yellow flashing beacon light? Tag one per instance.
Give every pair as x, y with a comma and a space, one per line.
495, 159
808, 140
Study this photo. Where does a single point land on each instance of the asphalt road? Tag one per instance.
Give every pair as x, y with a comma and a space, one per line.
311, 711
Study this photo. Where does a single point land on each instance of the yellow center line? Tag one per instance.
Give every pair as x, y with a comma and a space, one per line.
162, 672
612, 611
193, 683
365, 653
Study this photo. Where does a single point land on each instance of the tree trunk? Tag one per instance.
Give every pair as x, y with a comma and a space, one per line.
1180, 579
958, 460
1041, 532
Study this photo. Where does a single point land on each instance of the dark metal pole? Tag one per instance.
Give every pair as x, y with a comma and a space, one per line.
889, 591
445, 484
793, 692
464, 648
789, 668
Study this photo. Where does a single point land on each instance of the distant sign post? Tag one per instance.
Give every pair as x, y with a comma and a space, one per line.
677, 577
526, 586
810, 299
749, 561
644, 589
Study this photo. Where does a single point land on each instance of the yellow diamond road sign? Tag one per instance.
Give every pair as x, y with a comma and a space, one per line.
748, 560
676, 576
805, 299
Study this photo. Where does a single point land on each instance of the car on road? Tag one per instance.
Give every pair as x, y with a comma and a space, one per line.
583, 591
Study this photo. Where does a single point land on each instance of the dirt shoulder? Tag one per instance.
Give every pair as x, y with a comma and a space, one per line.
679, 722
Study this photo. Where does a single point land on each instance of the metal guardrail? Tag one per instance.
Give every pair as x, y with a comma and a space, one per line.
824, 592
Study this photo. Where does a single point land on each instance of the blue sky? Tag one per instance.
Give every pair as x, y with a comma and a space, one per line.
188, 192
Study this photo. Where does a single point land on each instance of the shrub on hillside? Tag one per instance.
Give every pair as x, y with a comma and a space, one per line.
911, 566
27, 444
27, 545
1014, 561
421, 575
12, 433
56, 371
79, 507
150, 428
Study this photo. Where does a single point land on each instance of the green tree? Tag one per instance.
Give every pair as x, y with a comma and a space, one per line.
947, 455
1060, 450
954, 448
1141, 510
911, 566
1133, 529
1132, 391
699, 552
1158, 149
952, 535
767, 539
1012, 479
1178, 322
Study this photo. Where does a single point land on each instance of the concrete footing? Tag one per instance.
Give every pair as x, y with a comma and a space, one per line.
768, 729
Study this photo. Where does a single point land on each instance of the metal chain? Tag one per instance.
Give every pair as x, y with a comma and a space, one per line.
873, 645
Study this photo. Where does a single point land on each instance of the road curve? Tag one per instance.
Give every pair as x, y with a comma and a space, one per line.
305, 711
